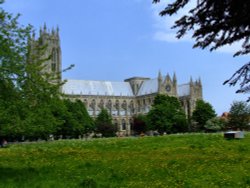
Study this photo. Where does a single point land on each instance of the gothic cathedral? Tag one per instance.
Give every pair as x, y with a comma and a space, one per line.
122, 99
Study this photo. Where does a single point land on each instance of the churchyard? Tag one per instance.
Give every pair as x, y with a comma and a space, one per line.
188, 160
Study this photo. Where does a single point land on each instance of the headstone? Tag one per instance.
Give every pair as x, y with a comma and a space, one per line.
234, 135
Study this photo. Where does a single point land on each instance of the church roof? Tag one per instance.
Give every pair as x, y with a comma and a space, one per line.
183, 90
148, 87
105, 88
108, 88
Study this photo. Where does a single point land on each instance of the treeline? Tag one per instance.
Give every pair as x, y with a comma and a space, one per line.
167, 116
31, 104
31, 107
60, 118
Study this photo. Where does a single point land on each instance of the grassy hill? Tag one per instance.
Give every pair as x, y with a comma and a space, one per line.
191, 160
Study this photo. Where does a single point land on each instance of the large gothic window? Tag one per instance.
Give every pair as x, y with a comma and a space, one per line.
116, 108
123, 108
54, 60
85, 101
53, 67
131, 108
123, 125
138, 106
116, 123
109, 106
92, 107
101, 104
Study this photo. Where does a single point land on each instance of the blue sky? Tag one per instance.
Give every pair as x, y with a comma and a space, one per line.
117, 39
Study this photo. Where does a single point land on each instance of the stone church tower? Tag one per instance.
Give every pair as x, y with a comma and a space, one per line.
167, 86
48, 48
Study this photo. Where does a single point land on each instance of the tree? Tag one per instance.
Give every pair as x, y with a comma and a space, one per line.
76, 119
167, 115
104, 124
140, 124
12, 62
215, 24
27, 98
215, 124
202, 113
239, 115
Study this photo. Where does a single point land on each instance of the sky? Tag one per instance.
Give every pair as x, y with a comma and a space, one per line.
115, 40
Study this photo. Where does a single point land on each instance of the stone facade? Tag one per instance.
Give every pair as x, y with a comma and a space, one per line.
50, 41
122, 99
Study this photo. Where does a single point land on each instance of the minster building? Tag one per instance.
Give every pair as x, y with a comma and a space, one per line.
122, 99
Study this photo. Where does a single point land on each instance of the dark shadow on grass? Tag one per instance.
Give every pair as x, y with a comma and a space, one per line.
17, 174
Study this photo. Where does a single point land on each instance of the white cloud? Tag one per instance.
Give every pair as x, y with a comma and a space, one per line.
163, 31
231, 48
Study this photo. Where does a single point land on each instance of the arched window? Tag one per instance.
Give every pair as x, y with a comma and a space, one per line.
117, 108
123, 124
116, 123
138, 106
85, 101
54, 60
92, 107
131, 108
101, 104
123, 109
109, 106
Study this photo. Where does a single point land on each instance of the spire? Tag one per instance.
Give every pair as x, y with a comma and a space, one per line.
57, 30
174, 78
53, 31
159, 82
199, 81
45, 28
159, 76
40, 31
191, 80
168, 78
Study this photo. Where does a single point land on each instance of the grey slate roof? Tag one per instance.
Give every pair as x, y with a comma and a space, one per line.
106, 88
183, 90
148, 87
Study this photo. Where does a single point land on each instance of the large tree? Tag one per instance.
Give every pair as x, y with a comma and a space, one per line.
239, 115
104, 124
76, 120
167, 115
27, 97
214, 24
202, 113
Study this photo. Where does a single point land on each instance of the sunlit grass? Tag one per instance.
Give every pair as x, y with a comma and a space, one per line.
168, 161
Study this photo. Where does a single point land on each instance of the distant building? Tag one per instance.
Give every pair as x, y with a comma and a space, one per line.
122, 99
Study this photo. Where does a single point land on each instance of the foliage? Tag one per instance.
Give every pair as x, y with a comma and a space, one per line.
215, 24
104, 124
189, 160
76, 119
139, 124
167, 115
215, 124
202, 113
28, 99
239, 115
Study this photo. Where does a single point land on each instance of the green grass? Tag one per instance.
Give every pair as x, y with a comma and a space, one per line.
168, 161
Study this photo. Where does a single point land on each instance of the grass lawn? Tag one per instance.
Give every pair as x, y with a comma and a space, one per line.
205, 160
